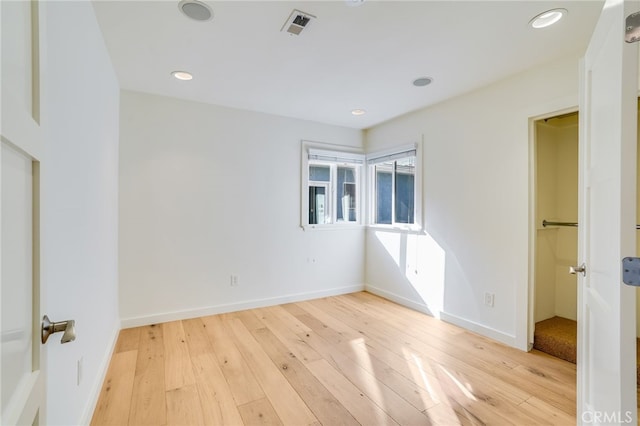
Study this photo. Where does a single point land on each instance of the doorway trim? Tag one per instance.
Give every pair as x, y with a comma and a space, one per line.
531, 288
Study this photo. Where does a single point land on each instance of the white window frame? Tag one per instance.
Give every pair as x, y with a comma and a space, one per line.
333, 156
393, 154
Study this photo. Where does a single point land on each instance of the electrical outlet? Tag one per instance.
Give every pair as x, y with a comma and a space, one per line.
489, 299
234, 280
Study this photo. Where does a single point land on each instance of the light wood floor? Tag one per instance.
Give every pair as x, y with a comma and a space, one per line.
353, 359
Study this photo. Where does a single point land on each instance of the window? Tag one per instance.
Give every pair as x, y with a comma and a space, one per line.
393, 182
331, 195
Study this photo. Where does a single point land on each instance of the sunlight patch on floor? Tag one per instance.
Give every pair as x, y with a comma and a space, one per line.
457, 382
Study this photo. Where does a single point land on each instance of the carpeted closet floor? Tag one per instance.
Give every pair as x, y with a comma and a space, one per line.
557, 336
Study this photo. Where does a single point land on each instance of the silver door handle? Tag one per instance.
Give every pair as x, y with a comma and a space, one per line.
48, 328
582, 269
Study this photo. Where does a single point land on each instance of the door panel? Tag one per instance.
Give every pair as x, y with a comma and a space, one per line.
20, 351
17, 322
606, 307
22, 395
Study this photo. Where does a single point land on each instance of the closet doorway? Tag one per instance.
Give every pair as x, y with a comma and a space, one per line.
556, 200
556, 236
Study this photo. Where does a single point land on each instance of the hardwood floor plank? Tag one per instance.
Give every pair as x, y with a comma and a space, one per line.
218, 405
178, 371
364, 378
285, 400
412, 392
293, 308
196, 337
286, 326
289, 320
330, 321
443, 414
322, 403
359, 405
115, 398
549, 413
242, 383
148, 404
259, 413
247, 317
355, 351
184, 406
128, 339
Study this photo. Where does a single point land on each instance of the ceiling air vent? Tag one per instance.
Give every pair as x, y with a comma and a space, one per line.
297, 22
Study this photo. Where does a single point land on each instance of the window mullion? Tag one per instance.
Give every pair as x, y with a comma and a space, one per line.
393, 192
334, 193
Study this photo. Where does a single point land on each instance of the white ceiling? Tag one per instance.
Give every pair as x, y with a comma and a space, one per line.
349, 57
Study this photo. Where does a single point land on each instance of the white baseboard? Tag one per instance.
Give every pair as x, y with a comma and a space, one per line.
401, 300
234, 307
489, 332
96, 387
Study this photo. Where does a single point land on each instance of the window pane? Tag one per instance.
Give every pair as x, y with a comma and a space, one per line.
346, 194
320, 173
384, 187
317, 204
349, 201
405, 189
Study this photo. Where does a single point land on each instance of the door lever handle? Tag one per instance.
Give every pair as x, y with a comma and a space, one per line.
582, 269
48, 328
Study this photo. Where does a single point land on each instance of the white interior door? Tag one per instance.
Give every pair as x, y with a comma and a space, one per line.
606, 307
22, 394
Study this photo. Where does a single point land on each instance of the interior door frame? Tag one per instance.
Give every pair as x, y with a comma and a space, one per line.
533, 225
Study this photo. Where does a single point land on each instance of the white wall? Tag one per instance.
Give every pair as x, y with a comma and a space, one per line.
79, 206
476, 202
206, 192
546, 165
566, 294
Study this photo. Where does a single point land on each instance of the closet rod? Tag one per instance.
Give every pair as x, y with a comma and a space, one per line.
546, 223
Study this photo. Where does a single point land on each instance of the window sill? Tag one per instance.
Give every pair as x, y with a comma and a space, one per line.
333, 227
409, 229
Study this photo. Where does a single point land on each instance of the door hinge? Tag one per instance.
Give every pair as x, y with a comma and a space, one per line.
631, 271
632, 28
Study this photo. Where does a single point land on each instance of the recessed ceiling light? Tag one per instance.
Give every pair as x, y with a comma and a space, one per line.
182, 75
548, 18
358, 111
196, 10
422, 81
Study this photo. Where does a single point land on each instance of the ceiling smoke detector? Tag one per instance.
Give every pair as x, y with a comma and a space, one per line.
196, 10
296, 22
422, 81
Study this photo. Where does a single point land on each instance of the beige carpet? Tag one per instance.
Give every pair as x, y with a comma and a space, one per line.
557, 336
